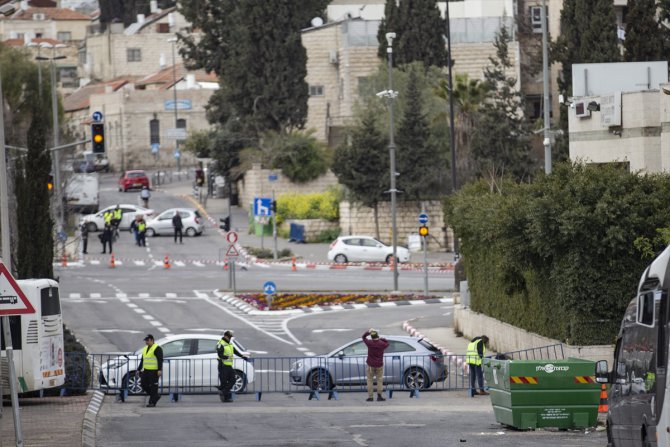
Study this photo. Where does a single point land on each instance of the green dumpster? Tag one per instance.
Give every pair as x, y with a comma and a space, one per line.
528, 394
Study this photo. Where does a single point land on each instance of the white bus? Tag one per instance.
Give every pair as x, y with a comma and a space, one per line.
39, 355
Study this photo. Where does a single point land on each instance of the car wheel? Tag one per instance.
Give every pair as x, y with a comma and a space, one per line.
320, 380
133, 383
190, 232
416, 379
341, 259
151, 232
240, 385
92, 227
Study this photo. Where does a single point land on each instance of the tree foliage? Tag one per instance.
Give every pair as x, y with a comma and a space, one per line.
126, 11
255, 48
419, 28
559, 256
299, 155
644, 34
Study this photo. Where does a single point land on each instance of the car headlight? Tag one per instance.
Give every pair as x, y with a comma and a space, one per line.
296, 366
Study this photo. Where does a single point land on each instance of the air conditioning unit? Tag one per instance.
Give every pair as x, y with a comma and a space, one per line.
581, 110
333, 58
536, 18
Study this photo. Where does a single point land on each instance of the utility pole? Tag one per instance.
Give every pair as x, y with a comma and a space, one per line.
547, 102
390, 94
452, 130
177, 154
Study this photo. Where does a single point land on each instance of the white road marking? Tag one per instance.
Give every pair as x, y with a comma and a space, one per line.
75, 295
89, 301
95, 295
94, 262
302, 349
147, 317
386, 425
158, 263
321, 331
112, 331
200, 294
170, 295
269, 334
121, 295
139, 263
134, 306
156, 323
140, 311
358, 439
124, 300
144, 295
164, 329
310, 354
198, 264
447, 314
259, 352
179, 263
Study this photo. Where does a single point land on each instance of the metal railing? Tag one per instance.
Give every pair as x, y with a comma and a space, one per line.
550, 352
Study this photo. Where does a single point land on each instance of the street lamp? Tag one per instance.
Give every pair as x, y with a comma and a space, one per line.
390, 95
56, 131
173, 41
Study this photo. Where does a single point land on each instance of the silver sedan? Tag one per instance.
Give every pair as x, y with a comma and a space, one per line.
194, 224
408, 361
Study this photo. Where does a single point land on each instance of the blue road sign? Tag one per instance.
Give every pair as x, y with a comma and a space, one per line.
155, 147
97, 117
270, 288
262, 206
62, 236
273, 177
177, 154
423, 218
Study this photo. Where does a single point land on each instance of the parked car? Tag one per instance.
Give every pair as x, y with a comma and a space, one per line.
101, 163
411, 362
190, 361
133, 180
194, 224
83, 166
364, 249
96, 221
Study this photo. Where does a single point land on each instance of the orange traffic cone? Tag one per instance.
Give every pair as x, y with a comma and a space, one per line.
112, 262
293, 267
166, 262
63, 260
225, 263
603, 407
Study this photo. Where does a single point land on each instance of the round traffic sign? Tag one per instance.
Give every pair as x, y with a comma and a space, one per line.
231, 237
423, 218
97, 116
269, 288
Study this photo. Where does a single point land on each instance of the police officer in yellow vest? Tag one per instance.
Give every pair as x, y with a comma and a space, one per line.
109, 214
473, 357
226, 352
117, 215
151, 366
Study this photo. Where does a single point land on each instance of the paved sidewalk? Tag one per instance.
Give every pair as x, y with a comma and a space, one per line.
47, 421
315, 252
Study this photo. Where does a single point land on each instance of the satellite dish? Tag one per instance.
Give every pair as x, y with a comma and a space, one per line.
317, 21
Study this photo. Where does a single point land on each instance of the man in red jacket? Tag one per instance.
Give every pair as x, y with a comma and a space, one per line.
375, 362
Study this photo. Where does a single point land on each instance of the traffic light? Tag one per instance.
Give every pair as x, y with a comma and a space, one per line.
273, 206
98, 138
423, 231
226, 224
50, 182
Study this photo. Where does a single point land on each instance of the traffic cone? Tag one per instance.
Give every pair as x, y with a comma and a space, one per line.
603, 407
112, 262
293, 267
225, 264
63, 260
166, 262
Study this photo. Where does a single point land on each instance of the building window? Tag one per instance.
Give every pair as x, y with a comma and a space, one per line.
316, 90
67, 76
181, 124
154, 131
134, 55
64, 36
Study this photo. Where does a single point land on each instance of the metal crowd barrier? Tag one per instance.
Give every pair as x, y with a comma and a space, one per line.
550, 352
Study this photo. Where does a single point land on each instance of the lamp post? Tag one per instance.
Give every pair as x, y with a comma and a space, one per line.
390, 95
452, 131
547, 102
173, 41
56, 133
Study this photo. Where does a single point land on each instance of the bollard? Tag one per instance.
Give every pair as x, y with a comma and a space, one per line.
293, 267
112, 262
166, 262
63, 261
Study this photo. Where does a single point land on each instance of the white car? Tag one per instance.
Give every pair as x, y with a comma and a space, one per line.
189, 363
364, 249
96, 222
162, 224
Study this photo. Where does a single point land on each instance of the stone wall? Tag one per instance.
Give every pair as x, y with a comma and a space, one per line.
357, 219
505, 338
255, 183
313, 227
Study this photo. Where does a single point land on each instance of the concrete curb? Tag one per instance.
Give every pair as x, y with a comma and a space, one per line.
88, 432
251, 310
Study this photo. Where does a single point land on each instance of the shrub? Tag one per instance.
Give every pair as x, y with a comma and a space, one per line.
327, 236
323, 205
266, 253
299, 155
559, 256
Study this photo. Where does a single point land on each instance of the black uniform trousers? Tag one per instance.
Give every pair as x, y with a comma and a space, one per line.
150, 385
226, 379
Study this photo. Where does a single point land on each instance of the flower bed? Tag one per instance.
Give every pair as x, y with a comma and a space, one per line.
283, 301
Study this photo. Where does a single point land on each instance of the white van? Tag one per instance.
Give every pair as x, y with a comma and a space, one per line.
81, 193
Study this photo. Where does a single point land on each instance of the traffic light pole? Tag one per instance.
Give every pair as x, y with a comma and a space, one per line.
425, 265
274, 225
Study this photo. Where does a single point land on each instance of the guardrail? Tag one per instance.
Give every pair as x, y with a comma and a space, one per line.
115, 373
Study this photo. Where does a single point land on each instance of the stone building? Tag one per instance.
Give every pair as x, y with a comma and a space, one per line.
29, 22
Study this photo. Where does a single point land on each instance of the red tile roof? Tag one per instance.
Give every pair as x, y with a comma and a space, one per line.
165, 77
21, 42
49, 14
81, 98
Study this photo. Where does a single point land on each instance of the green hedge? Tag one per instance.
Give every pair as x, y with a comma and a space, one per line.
558, 256
322, 205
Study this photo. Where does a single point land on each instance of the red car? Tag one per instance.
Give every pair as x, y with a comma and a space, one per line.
133, 180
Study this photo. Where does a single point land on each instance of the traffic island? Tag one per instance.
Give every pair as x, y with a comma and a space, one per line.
291, 301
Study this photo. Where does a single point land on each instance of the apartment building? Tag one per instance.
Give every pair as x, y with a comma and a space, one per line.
30, 22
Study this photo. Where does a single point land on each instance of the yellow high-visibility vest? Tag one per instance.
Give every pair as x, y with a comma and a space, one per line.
149, 359
228, 352
118, 214
472, 356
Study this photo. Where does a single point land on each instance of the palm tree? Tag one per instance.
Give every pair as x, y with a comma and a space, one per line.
469, 96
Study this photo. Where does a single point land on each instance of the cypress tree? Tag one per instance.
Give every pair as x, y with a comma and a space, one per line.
644, 37
391, 22
599, 42
417, 155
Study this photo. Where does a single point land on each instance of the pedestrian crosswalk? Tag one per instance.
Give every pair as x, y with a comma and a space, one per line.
79, 296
